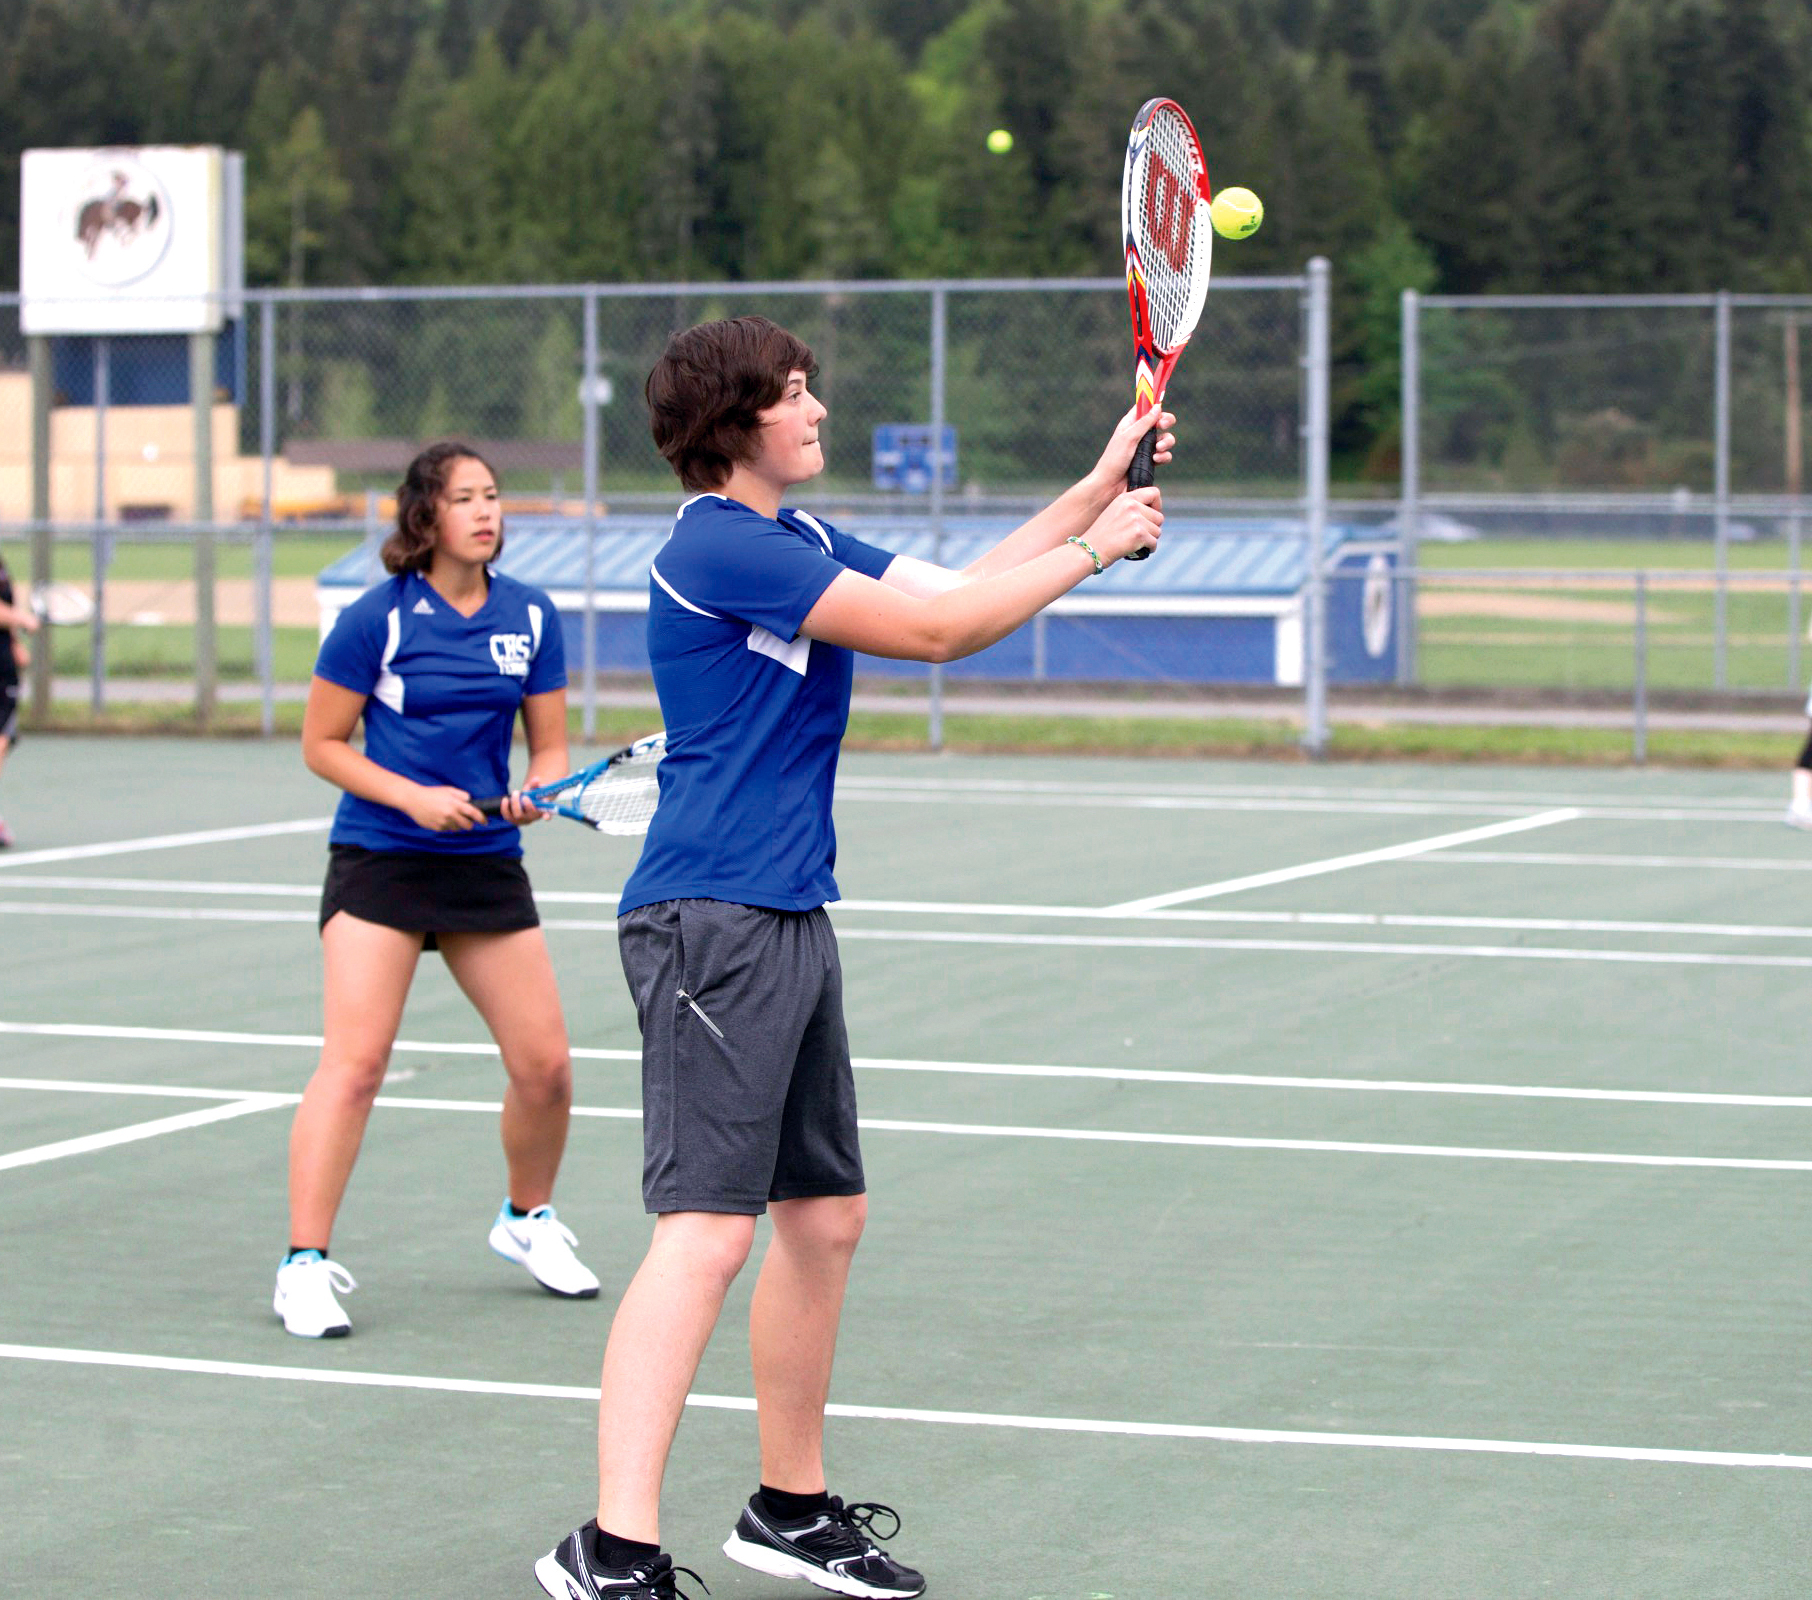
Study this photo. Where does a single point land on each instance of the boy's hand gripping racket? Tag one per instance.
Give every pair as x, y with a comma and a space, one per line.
1169, 249
616, 795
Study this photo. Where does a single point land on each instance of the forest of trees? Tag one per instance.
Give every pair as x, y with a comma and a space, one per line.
1452, 145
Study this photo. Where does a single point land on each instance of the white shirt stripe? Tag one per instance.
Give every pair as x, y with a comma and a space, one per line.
816, 526
389, 690
655, 573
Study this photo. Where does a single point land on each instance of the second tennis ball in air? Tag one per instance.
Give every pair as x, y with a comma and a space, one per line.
1000, 141
1236, 213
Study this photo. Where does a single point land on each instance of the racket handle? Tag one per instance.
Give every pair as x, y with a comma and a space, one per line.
1141, 474
491, 807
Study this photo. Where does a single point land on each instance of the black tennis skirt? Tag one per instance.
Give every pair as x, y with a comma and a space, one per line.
425, 892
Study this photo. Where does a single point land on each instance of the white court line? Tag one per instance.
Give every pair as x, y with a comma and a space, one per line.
1058, 913
1346, 796
144, 1130
983, 1069
153, 1090
305, 1041
588, 1395
1200, 1141
1349, 947
1533, 858
32, 880
1362, 858
1205, 1141
1215, 1141
164, 841
1667, 808
1326, 919
1103, 941
52, 908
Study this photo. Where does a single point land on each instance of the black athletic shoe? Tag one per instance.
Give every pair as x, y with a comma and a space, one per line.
568, 1572
832, 1550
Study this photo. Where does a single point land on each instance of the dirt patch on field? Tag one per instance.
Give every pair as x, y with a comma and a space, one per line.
1533, 607
154, 602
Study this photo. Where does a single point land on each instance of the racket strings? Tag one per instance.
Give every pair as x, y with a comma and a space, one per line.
622, 799
1167, 221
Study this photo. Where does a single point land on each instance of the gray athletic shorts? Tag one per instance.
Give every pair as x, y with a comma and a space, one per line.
747, 1091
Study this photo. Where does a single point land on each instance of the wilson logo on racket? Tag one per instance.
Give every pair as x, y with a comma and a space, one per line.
1168, 207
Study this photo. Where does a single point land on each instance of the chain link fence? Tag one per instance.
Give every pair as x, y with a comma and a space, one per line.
954, 406
1658, 436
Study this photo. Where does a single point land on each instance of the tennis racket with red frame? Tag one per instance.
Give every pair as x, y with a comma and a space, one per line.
1169, 241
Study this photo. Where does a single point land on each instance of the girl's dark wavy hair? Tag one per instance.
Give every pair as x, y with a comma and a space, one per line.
411, 546
708, 390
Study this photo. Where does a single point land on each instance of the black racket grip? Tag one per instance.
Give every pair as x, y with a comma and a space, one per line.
493, 806
1142, 474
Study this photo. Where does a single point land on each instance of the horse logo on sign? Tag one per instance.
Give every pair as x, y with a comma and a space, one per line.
120, 220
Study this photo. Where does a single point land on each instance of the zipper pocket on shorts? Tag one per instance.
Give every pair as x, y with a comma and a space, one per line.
701, 1013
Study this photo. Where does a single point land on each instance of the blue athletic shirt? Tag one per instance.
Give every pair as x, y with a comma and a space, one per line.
754, 713
442, 695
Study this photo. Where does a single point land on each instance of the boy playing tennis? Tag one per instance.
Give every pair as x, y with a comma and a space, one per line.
748, 1095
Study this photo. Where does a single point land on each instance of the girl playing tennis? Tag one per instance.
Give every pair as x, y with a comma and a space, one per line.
748, 1095
438, 661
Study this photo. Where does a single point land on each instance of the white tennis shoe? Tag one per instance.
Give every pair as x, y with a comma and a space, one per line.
1799, 816
544, 1244
305, 1297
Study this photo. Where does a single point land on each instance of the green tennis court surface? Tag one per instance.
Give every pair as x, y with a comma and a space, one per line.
1287, 1182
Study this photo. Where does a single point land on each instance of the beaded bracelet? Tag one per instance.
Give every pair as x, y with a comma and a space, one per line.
1088, 550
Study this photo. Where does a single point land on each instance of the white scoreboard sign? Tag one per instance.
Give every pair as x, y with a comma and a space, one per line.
147, 239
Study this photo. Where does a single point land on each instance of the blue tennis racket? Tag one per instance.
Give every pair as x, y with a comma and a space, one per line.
616, 795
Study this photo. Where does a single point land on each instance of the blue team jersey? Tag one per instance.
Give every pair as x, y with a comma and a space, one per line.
754, 712
442, 695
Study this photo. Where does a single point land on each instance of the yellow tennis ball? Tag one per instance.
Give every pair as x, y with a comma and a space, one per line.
1236, 213
1000, 141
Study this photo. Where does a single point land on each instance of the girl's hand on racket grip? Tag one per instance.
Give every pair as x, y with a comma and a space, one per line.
1110, 470
1131, 522
521, 810
445, 810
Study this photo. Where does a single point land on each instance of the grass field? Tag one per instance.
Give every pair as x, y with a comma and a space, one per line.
1496, 631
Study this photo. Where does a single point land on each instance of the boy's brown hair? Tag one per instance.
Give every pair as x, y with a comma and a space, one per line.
410, 548
709, 388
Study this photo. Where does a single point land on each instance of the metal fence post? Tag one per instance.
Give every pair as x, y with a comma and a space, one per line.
42, 552
940, 313
265, 546
1410, 489
588, 648
1315, 495
1721, 493
97, 640
1639, 708
1794, 634
1795, 479
201, 401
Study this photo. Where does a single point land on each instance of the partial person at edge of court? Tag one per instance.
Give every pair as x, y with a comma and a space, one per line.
1799, 806
438, 660
15, 657
755, 610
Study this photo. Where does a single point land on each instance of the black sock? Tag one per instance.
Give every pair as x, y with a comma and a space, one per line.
618, 1554
516, 1211
297, 1249
784, 1506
